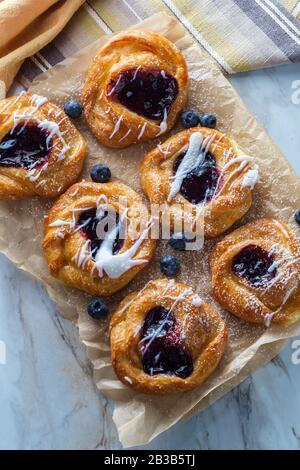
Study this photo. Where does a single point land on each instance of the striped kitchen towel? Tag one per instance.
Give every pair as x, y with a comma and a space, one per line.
240, 35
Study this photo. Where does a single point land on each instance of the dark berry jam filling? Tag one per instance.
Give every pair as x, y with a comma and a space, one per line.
148, 92
163, 351
25, 146
255, 265
200, 185
87, 224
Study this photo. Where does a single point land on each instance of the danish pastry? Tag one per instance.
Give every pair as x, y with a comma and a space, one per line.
41, 152
255, 273
202, 174
135, 89
92, 239
165, 339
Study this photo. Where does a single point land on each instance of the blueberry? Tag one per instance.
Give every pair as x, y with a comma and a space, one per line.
178, 241
169, 265
73, 108
100, 173
297, 216
208, 120
97, 308
190, 119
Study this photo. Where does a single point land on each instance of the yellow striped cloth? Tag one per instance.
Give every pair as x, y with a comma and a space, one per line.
240, 35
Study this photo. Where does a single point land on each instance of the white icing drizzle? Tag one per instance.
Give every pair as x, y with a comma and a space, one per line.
191, 160
227, 154
133, 299
74, 193
195, 155
285, 256
244, 160
251, 178
216, 143
71, 223
164, 124
51, 127
163, 74
176, 299
102, 205
38, 100
135, 73
41, 183
269, 316
142, 131
14, 102
126, 135
164, 152
117, 127
268, 319
105, 261
114, 87
128, 379
116, 265
33, 174
83, 255
60, 223
197, 301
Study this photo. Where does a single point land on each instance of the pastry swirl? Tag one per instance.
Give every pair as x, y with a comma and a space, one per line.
80, 256
135, 89
41, 151
255, 273
200, 173
164, 339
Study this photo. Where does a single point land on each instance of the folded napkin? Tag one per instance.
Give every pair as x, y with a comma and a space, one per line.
243, 35
240, 35
25, 27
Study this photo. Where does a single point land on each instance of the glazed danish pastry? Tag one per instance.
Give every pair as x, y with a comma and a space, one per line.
92, 240
41, 152
164, 339
135, 89
255, 273
200, 174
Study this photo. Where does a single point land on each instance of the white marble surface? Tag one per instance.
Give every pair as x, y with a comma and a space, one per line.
47, 396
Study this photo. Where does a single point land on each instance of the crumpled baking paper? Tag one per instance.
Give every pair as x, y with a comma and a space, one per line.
140, 418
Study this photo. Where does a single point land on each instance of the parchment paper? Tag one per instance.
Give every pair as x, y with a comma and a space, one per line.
140, 418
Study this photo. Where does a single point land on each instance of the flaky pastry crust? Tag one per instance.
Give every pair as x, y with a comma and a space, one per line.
66, 249
230, 203
113, 124
203, 329
66, 154
276, 302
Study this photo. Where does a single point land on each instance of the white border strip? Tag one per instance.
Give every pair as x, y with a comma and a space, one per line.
282, 16
97, 18
38, 63
277, 20
43, 60
132, 10
296, 10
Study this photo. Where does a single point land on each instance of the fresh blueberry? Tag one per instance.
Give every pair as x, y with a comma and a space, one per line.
208, 120
97, 308
178, 241
100, 173
169, 265
190, 119
73, 108
297, 216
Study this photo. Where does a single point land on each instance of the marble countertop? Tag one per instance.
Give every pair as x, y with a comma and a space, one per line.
48, 399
